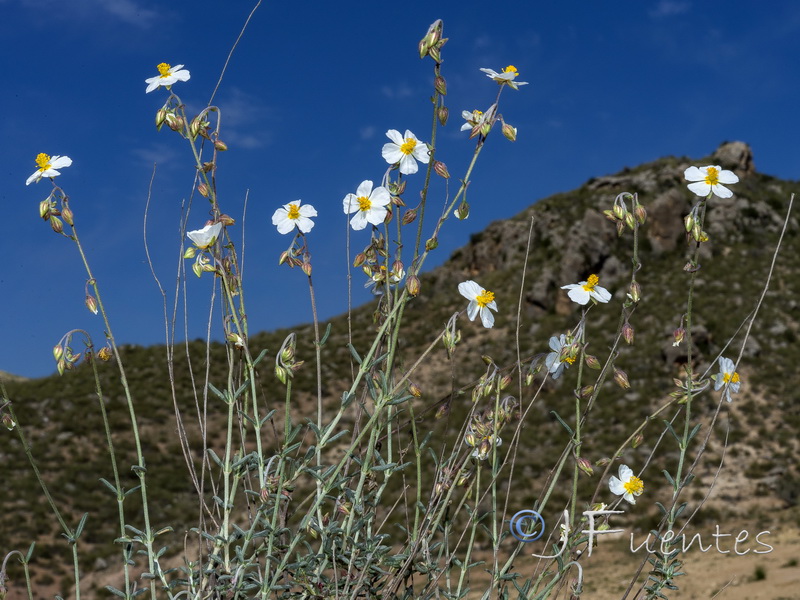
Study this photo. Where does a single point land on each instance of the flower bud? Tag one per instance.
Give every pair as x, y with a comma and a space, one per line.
440, 85
58, 352
627, 332
505, 381
585, 466
441, 169
602, 462
640, 213
442, 113
462, 212
357, 262
696, 231
66, 212
161, 116
220, 146
431, 244
56, 224
678, 334
592, 362
630, 221
414, 390
510, 132
175, 122
207, 166
635, 291
434, 53
688, 222
620, 211
195, 126
104, 354
44, 209
203, 189
409, 216
91, 303
442, 411
610, 215
413, 285
637, 441
197, 268
621, 378
586, 392
61, 365
306, 267
281, 374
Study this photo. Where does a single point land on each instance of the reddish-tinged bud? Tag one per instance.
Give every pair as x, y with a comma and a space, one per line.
44, 209
409, 216
440, 85
627, 332
306, 267
620, 211
505, 381
58, 352
66, 212
602, 462
359, 260
8, 421
585, 466
56, 224
235, 339
637, 441
208, 166
510, 132
226, 220
435, 54
176, 122
204, 189
592, 362
414, 390
442, 411
630, 220
621, 378
635, 291
610, 215
91, 303
586, 392
442, 113
441, 169
161, 116
640, 213
195, 126
679, 334
220, 146
413, 285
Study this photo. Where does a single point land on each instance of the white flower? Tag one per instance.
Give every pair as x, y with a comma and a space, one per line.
555, 365
403, 150
368, 204
379, 279
506, 76
292, 214
480, 301
48, 167
727, 377
205, 237
708, 181
583, 291
167, 76
473, 119
627, 485
484, 447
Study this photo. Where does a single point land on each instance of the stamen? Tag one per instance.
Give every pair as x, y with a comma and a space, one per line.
408, 146
634, 485
484, 298
712, 176
294, 212
163, 69
43, 161
364, 203
591, 283
511, 69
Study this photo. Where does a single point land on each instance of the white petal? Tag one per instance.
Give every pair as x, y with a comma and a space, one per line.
285, 226
376, 215
625, 472
487, 318
694, 174
395, 136
308, 211
727, 177
615, 485
721, 191
472, 310
59, 162
391, 153
364, 188
359, 221
305, 224
469, 289
421, 153
37, 175
408, 166
579, 295
380, 197
350, 204
601, 294
701, 188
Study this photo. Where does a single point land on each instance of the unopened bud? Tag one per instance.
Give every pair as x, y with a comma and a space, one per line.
91, 303
44, 209
621, 378
414, 390
197, 268
220, 146
630, 221
640, 213
688, 222
195, 126
56, 224
637, 441
462, 212
610, 215
442, 113
413, 285
586, 392
357, 262
510, 132
66, 212
281, 374
440, 85
409, 216
226, 220
635, 291
602, 462
161, 116
585, 466
207, 166
203, 189
696, 231
435, 54
175, 122
627, 332
620, 211
306, 267
505, 381
283, 257
61, 365
431, 244
592, 362
441, 169
678, 334
58, 352
442, 411
235, 339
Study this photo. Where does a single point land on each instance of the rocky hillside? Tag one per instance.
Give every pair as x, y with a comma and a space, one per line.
565, 238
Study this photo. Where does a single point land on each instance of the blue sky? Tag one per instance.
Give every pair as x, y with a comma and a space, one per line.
306, 101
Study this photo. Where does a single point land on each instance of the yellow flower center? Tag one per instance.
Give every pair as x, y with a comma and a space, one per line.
43, 161
634, 485
364, 203
511, 69
570, 360
712, 176
591, 283
294, 212
164, 68
730, 378
484, 298
408, 146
